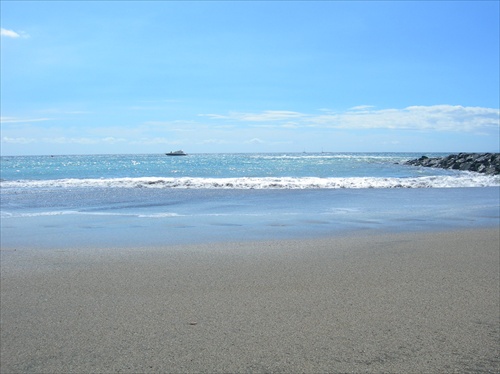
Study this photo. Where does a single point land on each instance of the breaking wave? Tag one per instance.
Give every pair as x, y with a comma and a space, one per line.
464, 179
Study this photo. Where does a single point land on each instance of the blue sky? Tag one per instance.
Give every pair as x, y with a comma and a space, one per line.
284, 76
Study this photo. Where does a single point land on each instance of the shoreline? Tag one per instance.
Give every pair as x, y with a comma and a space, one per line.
138, 218
390, 302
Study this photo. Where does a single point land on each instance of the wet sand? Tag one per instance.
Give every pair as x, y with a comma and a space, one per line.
397, 303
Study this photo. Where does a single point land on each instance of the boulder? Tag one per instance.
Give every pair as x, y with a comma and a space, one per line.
487, 163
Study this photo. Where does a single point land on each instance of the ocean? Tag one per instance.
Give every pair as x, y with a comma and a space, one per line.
113, 201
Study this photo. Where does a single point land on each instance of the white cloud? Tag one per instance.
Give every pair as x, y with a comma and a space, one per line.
272, 130
63, 111
65, 140
290, 125
9, 33
68, 140
255, 141
437, 117
18, 140
213, 141
113, 140
151, 141
453, 118
268, 115
22, 120
12, 34
214, 116
362, 107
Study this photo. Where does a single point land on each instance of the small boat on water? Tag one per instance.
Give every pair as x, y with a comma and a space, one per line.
176, 153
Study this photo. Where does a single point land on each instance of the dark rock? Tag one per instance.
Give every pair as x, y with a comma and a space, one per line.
466, 166
487, 163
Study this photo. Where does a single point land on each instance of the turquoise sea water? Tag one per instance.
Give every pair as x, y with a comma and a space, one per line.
141, 200
294, 170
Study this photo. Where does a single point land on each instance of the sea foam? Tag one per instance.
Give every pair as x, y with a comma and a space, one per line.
463, 179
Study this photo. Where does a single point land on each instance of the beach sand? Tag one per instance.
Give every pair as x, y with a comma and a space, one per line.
393, 303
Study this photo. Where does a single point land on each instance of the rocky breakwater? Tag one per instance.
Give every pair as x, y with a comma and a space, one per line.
487, 163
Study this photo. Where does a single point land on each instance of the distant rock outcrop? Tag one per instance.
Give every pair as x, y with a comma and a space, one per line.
487, 163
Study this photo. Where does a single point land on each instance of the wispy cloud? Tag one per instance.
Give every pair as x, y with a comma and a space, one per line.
113, 140
55, 111
151, 141
270, 130
17, 140
268, 115
155, 104
362, 107
12, 34
84, 140
435, 118
63, 140
213, 141
22, 120
255, 141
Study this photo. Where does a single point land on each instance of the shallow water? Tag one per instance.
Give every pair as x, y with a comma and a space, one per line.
152, 217
141, 200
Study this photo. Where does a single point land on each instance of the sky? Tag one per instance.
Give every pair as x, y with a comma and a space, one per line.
99, 77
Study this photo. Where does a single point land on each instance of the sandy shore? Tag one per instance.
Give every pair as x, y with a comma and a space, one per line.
402, 303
